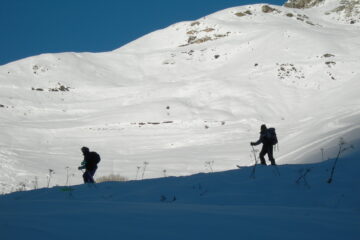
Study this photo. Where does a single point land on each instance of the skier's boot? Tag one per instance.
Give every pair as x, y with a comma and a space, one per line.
272, 162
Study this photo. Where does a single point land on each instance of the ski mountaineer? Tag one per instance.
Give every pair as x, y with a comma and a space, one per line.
268, 139
90, 162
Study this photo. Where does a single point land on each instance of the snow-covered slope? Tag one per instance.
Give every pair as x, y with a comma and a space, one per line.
186, 99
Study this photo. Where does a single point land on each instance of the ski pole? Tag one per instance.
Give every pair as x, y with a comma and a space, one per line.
252, 175
253, 150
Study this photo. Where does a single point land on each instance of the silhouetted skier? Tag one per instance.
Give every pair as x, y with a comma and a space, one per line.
90, 162
268, 139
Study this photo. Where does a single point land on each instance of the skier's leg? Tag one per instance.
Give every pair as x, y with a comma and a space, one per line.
262, 154
91, 176
85, 177
270, 155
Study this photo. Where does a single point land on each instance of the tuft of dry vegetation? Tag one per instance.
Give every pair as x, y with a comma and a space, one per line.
111, 178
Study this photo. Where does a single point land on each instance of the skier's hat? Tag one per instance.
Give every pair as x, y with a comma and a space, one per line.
85, 149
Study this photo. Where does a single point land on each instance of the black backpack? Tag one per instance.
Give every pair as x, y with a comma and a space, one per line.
271, 136
95, 157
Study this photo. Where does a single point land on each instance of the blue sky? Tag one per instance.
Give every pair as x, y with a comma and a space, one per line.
33, 27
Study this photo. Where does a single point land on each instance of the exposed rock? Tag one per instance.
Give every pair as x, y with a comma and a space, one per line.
268, 9
195, 23
310, 23
191, 39
339, 9
350, 8
221, 35
192, 32
60, 88
37, 89
153, 123
302, 3
330, 63
327, 55
39, 69
303, 16
167, 122
167, 62
240, 14
208, 30
202, 40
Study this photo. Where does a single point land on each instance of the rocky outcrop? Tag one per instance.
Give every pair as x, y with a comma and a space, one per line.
302, 3
350, 8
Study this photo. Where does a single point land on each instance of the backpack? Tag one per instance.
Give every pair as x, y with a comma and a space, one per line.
95, 157
271, 136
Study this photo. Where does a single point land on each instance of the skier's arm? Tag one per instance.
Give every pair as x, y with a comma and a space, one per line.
257, 142
83, 165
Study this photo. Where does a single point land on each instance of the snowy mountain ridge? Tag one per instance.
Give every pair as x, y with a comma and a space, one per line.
187, 98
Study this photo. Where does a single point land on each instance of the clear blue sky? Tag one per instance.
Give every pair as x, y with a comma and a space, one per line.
32, 27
